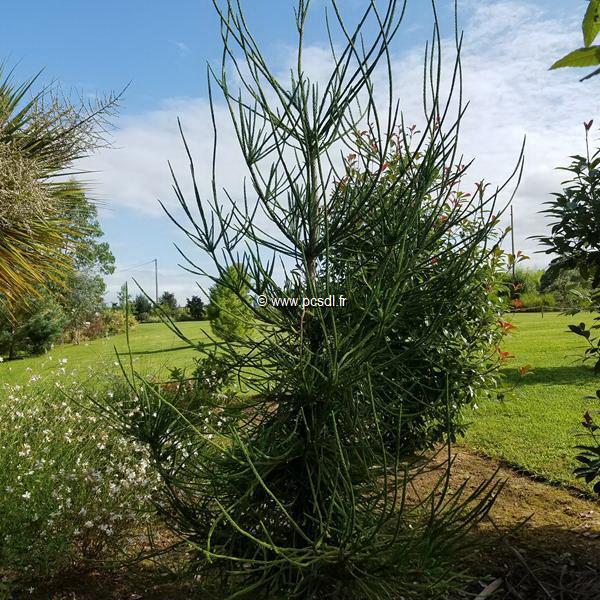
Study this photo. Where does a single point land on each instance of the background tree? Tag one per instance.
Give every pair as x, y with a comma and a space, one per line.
167, 303
141, 307
229, 305
589, 55
123, 297
196, 308
80, 293
567, 286
92, 259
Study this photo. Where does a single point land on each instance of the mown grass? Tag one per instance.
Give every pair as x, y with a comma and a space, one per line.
154, 348
535, 427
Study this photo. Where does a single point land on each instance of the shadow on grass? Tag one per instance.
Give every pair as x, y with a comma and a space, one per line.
147, 352
571, 375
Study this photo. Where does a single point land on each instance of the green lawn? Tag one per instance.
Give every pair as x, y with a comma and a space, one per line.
535, 426
154, 349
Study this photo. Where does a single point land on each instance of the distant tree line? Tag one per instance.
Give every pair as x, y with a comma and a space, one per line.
536, 290
147, 311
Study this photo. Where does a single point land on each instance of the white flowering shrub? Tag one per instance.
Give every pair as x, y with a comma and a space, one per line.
72, 488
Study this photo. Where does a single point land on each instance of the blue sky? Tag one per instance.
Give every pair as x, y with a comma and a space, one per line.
161, 49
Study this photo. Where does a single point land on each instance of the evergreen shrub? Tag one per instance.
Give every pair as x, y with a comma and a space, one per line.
305, 490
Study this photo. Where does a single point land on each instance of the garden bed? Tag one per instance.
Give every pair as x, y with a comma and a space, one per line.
556, 548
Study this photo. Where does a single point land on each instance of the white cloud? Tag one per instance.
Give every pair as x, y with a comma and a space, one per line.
508, 47
182, 48
135, 174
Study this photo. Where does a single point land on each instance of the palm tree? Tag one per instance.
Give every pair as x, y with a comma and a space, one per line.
41, 136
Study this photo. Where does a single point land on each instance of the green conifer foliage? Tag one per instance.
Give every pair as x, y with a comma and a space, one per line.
303, 489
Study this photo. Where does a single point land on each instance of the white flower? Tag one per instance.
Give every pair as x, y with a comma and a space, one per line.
26, 495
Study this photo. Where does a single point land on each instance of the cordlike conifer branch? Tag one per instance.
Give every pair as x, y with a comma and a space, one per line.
305, 493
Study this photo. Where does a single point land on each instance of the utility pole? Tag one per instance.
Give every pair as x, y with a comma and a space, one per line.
512, 236
156, 279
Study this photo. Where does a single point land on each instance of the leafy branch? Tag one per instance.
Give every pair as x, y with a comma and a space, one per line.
588, 56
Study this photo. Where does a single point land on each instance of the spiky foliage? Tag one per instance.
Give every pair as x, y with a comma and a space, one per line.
40, 138
304, 492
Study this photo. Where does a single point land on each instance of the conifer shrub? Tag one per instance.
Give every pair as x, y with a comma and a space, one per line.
31, 328
304, 489
229, 310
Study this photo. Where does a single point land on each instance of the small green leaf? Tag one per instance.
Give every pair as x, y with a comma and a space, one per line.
583, 57
591, 22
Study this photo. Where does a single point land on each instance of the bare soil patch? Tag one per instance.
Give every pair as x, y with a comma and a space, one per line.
553, 555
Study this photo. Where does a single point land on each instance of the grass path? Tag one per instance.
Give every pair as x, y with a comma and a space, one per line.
154, 348
536, 425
